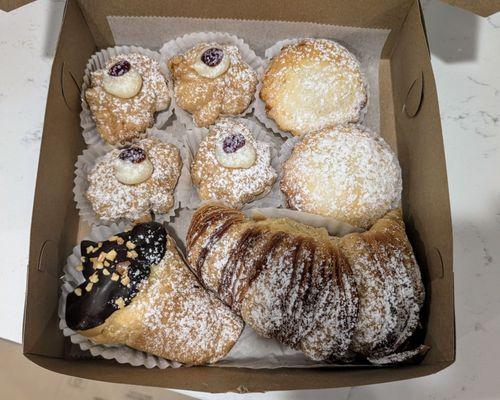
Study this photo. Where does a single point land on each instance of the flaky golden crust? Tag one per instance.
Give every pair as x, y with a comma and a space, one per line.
122, 120
112, 200
313, 84
172, 317
325, 296
207, 99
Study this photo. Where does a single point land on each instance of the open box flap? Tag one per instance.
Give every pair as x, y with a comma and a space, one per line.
484, 8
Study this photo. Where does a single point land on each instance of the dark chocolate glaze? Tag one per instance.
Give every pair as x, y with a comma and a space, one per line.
92, 308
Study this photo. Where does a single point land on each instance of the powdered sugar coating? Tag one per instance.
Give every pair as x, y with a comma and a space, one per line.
313, 84
121, 120
358, 296
228, 94
236, 186
112, 200
345, 172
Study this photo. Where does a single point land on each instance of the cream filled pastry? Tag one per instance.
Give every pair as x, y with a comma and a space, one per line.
212, 80
231, 166
131, 182
137, 291
125, 95
313, 84
346, 172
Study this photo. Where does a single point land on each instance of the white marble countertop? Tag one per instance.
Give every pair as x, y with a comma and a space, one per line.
466, 58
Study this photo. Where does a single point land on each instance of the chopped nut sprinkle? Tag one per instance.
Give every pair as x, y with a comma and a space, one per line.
130, 245
98, 265
132, 254
120, 240
125, 281
115, 276
88, 288
111, 255
102, 256
79, 268
89, 249
82, 258
78, 291
119, 302
105, 272
94, 278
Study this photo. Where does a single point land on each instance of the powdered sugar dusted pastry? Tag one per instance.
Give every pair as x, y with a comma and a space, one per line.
130, 182
344, 172
124, 96
231, 165
211, 80
139, 292
357, 296
313, 84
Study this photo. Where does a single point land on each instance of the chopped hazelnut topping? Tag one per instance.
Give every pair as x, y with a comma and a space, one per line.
83, 258
78, 291
98, 265
106, 263
79, 268
99, 244
105, 272
102, 256
115, 276
130, 245
88, 288
94, 278
125, 281
119, 302
93, 259
111, 255
89, 249
132, 254
120, 240
113, 238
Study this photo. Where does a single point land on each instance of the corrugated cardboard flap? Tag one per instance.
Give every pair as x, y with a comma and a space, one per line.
483, 8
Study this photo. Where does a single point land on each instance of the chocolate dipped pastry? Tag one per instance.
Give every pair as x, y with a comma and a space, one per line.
139, 292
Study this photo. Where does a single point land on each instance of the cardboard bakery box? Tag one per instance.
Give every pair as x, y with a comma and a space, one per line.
409, 121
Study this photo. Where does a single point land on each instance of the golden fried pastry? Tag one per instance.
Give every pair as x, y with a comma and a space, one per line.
212, 80
313, 84
344, 172
336, 299
124, 96
131, 182
231, 166
139, 292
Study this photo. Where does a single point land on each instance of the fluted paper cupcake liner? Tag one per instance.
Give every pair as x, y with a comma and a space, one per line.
98, 61
184, 43
71, 279
260, 107
272, 198
91, 156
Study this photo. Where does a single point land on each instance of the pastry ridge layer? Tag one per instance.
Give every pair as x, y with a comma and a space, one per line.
167, 313
323, 295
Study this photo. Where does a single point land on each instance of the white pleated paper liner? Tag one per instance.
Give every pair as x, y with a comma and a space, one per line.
71, 279
98, 61
272, 198
91, 156
260, 107
184, 43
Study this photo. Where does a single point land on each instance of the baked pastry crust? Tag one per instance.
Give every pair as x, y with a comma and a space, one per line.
235, 186
344, 172
121, 120
112, 200
313, 84
323, 295
171, 316
228, 94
